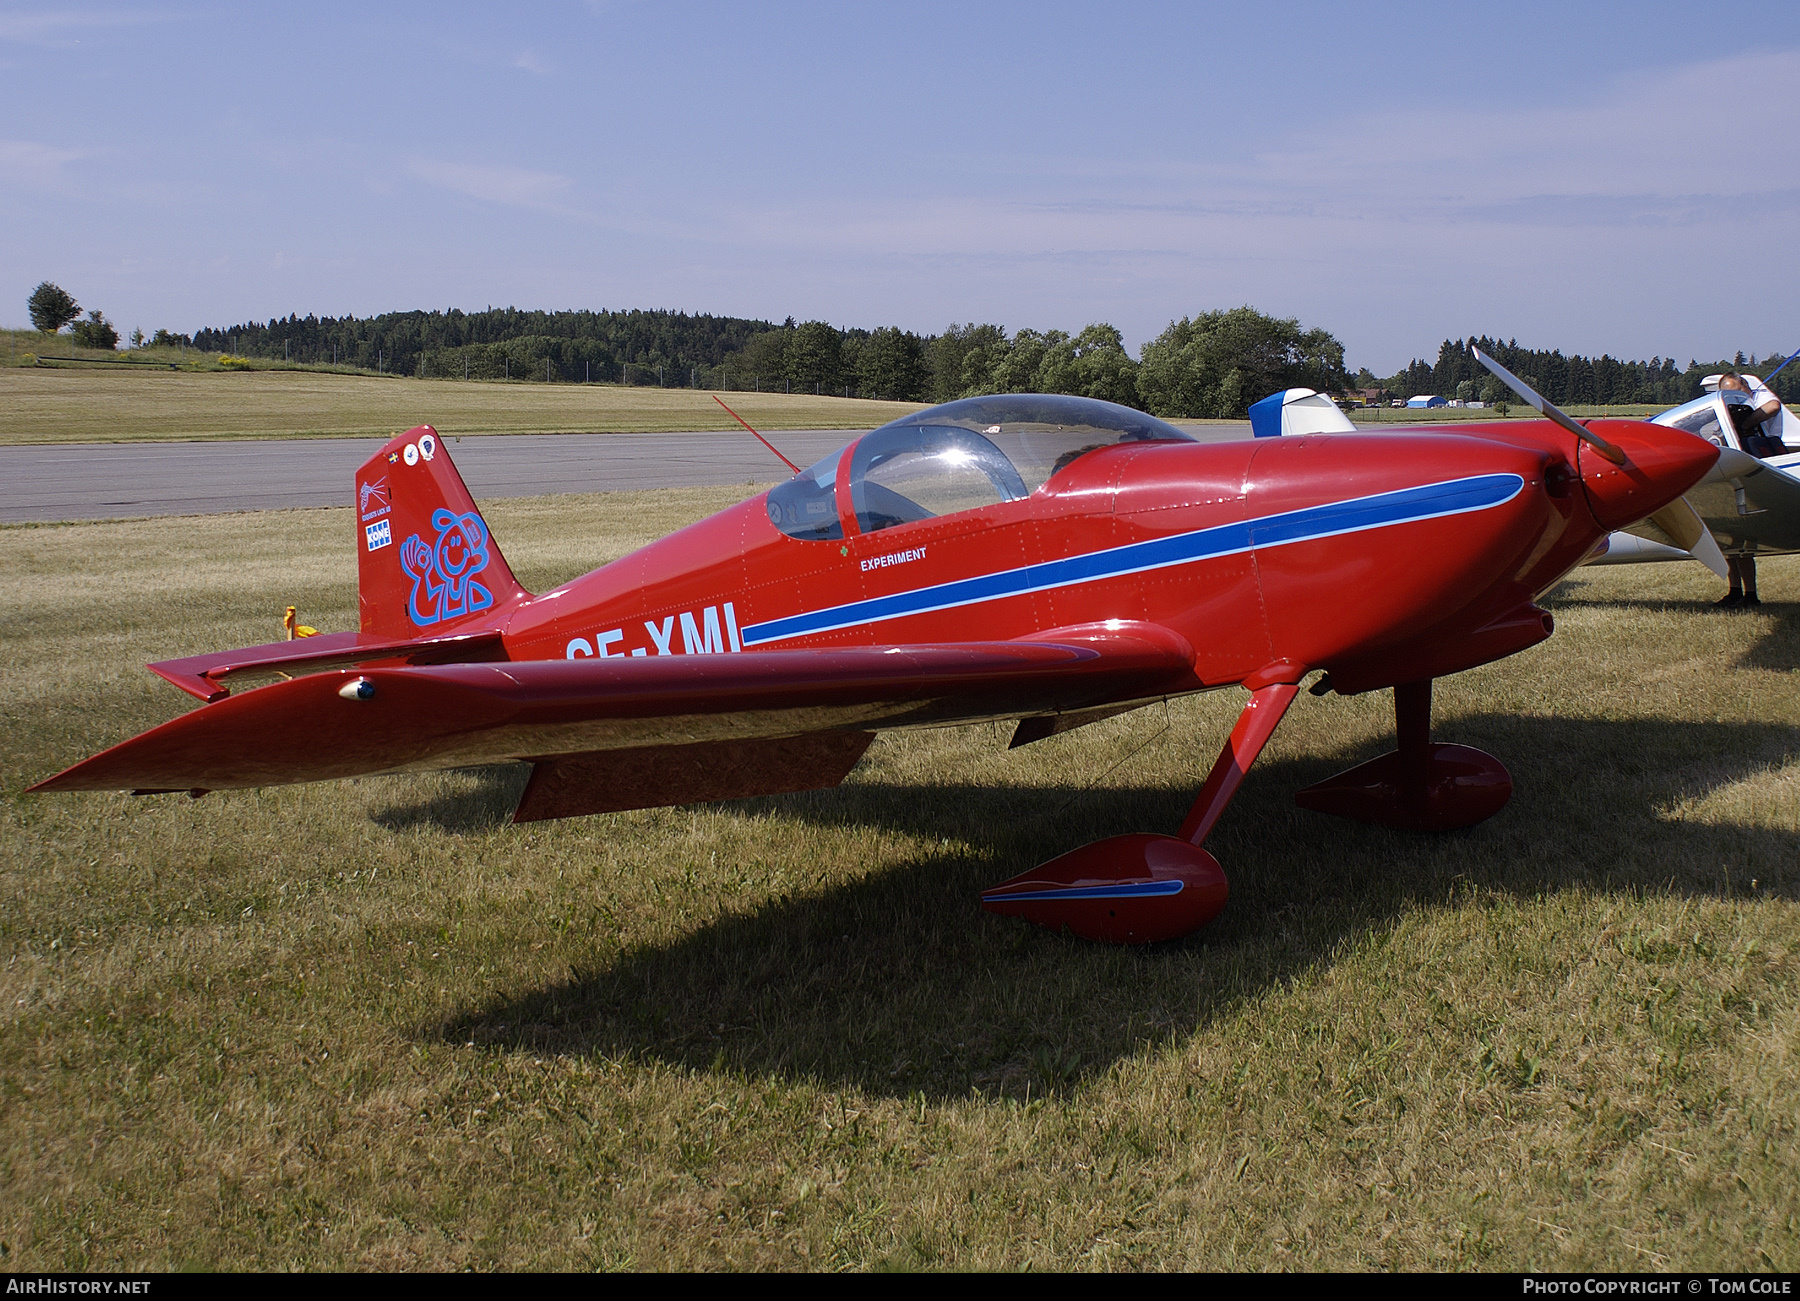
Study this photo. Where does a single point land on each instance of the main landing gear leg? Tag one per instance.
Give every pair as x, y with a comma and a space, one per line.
1139, 888
1421, 785
1255, 726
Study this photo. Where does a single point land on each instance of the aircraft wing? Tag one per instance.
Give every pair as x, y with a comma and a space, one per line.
1745, 498
628, 732
1772, 488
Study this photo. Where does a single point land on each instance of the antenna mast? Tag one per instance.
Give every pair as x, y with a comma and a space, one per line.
759, 438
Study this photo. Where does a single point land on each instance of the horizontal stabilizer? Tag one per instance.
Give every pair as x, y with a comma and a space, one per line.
209, 676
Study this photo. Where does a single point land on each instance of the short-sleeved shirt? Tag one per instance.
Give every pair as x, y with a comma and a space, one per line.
1750, 431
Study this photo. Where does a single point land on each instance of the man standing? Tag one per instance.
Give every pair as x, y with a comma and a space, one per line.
1748, 420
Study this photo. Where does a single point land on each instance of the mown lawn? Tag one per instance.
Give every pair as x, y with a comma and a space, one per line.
122, 403
372, 1024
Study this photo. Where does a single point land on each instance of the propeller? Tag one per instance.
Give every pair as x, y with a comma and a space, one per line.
1686, 529
1680, 521
1549, 409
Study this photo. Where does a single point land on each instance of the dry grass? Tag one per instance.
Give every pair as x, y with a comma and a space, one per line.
125, 404
1516, 410
27, 347
373, 1025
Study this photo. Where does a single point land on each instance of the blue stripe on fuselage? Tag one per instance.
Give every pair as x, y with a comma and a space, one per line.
1406, 506
1126, 890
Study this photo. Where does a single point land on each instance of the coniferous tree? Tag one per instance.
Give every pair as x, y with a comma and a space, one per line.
51, 307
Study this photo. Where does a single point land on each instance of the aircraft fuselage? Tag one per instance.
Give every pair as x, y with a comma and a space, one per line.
1371, 556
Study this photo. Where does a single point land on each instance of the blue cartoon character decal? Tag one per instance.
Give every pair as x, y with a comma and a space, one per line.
443, 572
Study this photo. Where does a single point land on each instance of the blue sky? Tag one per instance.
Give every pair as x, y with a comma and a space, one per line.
1603, 178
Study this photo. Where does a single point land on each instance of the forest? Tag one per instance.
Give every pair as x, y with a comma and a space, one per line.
1572, 380
1213, 364
497, 343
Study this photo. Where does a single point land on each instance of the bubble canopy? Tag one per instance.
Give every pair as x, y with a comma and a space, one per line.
958, 456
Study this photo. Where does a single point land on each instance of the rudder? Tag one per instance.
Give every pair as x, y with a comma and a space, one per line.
425, 558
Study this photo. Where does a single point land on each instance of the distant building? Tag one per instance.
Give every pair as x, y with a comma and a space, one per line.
1428, 400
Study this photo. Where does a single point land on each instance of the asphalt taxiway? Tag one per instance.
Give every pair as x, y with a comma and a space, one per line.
92, 481
85, 481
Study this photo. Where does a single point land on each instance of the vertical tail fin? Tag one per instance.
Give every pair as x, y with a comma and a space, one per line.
425, 558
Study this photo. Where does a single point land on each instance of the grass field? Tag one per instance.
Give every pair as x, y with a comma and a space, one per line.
98, 401
371, 1024
127, 404
1515, 411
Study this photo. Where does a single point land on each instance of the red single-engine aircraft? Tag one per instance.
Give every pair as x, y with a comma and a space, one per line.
1054, 560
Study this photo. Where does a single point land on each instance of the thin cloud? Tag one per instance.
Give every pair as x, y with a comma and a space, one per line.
513, 187
30, 165
1419, 224
1638, 152
528, 61
1639, 135
1570, 210
56, 30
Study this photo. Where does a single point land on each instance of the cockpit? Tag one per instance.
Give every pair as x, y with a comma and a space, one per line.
959, 456
1731, 419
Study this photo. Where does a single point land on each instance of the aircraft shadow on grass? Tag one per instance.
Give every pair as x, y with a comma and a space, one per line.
464, 811
899, 985
1779, 648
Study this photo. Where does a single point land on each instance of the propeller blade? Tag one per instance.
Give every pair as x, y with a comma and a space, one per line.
1708, 554
1683, 524
1549, 409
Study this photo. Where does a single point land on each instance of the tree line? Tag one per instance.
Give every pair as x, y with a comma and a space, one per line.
1211, 365
584, 344
1572, 380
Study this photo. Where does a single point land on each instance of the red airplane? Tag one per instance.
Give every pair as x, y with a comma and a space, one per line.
1054, 560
